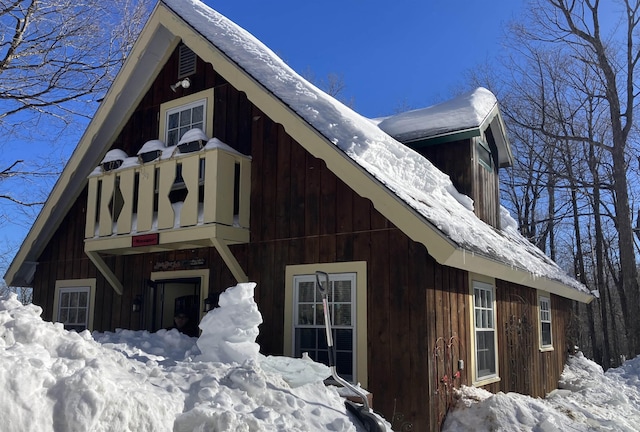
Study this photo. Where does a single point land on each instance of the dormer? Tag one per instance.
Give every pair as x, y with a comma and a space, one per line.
465, 138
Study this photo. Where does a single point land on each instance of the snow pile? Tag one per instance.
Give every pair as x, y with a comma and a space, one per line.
588, 400
53, 380
229, 332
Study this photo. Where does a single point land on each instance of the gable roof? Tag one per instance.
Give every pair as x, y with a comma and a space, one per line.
466, 115
403, 186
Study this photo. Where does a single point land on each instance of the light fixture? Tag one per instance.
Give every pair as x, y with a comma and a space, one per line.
211, 302
137, 304
185, 83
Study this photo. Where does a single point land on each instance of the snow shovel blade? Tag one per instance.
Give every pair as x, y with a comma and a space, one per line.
370, 421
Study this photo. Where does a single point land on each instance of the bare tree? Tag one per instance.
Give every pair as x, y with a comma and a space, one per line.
575, 28
569, 97
57, 58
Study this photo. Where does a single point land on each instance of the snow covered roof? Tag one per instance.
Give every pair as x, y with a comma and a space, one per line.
407, 174
403, 186
470, 113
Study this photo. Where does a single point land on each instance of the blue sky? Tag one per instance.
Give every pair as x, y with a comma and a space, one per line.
389, 54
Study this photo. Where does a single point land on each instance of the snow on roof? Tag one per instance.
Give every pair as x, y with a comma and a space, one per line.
402, 170
464, 112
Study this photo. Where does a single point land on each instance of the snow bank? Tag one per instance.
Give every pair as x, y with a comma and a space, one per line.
53, 380
587, 400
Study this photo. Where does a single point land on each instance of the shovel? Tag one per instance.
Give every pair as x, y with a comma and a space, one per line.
371, 421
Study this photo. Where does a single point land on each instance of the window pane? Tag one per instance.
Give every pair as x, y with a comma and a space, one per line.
172, 137
485, 353
343, 340
64, 300
74, 299
342, 314
306, 291
185, 118
320, 316
64, 315
342, 291
305, 314
83, 299
322, 356
173, 121
198, 115
306, 339
82, 316
73, 316
344, 365
546, 333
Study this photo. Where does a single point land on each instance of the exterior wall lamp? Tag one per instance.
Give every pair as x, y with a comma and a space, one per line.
137, 304
185, 83
211, 302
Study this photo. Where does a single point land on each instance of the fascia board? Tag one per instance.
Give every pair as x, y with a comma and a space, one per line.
479, 264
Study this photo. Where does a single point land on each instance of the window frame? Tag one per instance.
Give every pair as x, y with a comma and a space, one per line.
486, 284
483, 146
204, 97
542, 298
359, 309
75, 285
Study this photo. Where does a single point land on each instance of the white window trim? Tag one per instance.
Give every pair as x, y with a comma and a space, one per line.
487, 283
360, 327
76, 283
543, 296
204, 95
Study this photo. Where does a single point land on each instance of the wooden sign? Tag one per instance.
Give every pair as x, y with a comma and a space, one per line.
145, 240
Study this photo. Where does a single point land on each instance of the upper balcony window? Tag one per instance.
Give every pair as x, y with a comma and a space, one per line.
180, 115
184, 118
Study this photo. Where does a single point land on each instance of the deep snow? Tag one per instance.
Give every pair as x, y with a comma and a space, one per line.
55, 380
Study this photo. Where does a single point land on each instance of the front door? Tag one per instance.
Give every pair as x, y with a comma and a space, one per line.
166, 298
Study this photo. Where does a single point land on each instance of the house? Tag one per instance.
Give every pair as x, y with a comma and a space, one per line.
210, 162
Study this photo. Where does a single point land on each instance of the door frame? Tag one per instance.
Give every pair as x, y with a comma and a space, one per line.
202, 274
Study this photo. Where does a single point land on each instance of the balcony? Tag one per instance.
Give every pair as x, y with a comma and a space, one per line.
181, 201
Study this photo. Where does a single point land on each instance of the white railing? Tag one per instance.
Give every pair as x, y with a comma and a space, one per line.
210, 186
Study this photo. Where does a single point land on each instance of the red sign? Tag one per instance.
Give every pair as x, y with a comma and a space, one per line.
145, 240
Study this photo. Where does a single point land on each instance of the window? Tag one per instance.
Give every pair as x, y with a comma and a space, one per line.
309, 326
180, 115
544, 304
304, 317
484, 155
486, 365
74, 301
183, 118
